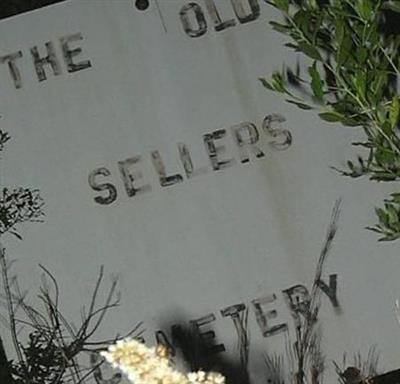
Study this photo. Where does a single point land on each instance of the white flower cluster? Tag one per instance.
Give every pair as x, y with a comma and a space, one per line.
201, 377
145, 365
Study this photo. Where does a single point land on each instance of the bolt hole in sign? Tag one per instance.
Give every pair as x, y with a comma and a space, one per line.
161, 156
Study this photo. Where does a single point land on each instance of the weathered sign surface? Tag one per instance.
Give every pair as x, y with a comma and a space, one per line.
160, 155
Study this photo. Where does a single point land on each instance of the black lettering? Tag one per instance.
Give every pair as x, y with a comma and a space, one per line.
70, 53
187, 162
200, 19
246, 135
50, 59
276, 132
213, 151
129, 178
112, 191
206, 337
12, 66
239, 314
165, 181
242, 15
263, 318
219, 25
186, 159
298, 300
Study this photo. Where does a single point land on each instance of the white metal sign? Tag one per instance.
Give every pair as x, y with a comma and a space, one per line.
160, 155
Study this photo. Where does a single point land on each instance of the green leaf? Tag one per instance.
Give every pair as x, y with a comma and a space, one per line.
344, 50
383, 176
392, 6
283, 5
373, 33
364, 8
339, 30
282, 28
374, 229
310, 51
278, 82
331, 117
360, 82
302, 19
300, 105
392, 214
387, 128
394, 111
390, 237
361, 55
266, 84
395, 197
382, 216
316, 82
378, 84
349, 122
385, 156
293, 46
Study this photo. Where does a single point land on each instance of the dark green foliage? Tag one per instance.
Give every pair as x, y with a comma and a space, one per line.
43, 361
353, 50
5, 369
54, 350
389, 219
17, 206
4, 137
52, 354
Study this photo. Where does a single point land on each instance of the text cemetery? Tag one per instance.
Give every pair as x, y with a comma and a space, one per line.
269, 321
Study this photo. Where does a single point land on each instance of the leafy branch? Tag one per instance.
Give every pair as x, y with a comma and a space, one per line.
351, 79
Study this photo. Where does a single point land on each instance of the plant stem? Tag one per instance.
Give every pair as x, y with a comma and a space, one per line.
10, 307
5, 371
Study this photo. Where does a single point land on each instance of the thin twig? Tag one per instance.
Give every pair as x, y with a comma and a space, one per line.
11, 313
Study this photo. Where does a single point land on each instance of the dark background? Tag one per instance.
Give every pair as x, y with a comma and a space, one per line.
13, 7
10, 8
